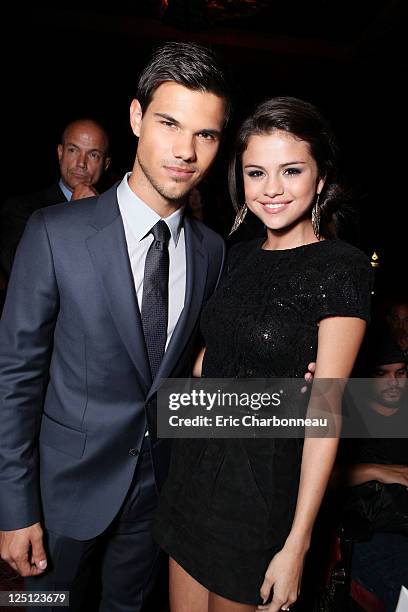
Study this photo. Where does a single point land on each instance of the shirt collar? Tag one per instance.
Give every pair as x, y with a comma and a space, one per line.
67, 192
140, 217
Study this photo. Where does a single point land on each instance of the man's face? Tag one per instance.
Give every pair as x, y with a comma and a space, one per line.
83, 154
179, 136
389, 384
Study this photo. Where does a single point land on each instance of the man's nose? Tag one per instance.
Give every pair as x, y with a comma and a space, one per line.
82, 160
184, 148
392, 381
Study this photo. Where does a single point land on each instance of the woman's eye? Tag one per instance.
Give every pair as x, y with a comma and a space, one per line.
255, 173
292, 171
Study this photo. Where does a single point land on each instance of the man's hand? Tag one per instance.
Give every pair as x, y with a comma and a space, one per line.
23, 550
391, 474
83, 190
311, 368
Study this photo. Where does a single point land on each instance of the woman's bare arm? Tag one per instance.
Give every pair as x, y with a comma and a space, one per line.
339, 340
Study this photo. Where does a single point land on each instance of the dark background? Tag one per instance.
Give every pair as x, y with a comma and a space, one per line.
65, 61
348, 57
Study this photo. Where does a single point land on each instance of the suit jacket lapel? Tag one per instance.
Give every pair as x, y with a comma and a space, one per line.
108, 250
54, 195
196, 275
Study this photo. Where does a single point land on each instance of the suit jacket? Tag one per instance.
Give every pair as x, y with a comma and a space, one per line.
14, 215
75, 387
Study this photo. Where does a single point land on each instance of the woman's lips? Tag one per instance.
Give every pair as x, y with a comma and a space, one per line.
275, 207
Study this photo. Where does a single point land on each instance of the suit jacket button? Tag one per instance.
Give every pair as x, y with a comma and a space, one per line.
133, 452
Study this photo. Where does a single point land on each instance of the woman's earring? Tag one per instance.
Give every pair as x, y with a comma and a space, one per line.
316, 217
241, 214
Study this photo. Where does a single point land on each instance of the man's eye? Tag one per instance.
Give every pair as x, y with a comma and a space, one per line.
95, 155
167, 123
207, 136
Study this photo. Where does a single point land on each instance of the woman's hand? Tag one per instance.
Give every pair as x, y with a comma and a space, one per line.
284, 575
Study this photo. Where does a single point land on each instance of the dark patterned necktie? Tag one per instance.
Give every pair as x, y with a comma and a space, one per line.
156, 295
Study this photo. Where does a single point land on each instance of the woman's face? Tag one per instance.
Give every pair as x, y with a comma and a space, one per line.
280, 179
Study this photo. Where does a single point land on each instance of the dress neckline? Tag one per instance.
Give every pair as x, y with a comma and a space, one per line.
291, 250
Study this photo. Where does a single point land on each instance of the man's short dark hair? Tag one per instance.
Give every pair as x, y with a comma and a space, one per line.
188, 64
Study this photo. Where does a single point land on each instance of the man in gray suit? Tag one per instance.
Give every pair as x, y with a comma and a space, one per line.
103, 302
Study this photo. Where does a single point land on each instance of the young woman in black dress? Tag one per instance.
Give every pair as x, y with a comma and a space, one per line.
236, 516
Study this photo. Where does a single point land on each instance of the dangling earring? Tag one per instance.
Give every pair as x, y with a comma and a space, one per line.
316, 217
241, 214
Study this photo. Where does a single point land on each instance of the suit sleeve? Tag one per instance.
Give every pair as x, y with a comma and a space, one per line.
26, 336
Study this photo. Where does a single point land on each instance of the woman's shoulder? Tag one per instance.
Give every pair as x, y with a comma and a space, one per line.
344, 254
345, 280
239, 252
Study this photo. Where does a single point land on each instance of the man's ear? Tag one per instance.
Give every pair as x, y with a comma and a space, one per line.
107, 163
60, 150
136, 115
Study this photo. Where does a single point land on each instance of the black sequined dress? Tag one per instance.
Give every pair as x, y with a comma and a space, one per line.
228, 505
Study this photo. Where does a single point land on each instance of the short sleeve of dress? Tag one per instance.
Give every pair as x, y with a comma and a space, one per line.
345, 290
